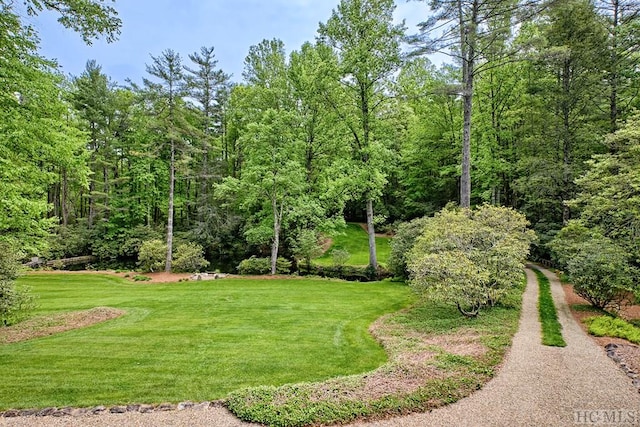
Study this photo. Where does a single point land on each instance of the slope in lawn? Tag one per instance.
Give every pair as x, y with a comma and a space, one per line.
193, 340
355, 240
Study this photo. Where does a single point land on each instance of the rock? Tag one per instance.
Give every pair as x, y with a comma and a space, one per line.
11, 413
632, 374
133, 408
185, 405
46, 412
27, 412
98, 409
166, 407
64, 412
78, 412
118, 410
145, 409
610, 346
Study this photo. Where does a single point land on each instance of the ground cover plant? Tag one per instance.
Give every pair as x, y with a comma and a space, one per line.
609, 326
436, 357
551, 327
354, 240
194, 340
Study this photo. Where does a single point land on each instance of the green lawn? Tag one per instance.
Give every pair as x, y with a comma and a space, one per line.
356, 241
551, 327
193, 340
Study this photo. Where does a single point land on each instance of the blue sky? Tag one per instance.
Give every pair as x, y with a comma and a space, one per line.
231, 26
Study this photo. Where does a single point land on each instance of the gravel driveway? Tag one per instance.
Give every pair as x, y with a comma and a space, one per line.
537, 386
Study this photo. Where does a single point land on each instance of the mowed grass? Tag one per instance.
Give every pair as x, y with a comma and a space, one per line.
354, 239
551, 327
193, 340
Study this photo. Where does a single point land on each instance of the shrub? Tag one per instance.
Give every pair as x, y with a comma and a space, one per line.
402, 243
307, 246
351, 273
15, 303
601, 274
152, 256
189, 258
598, 268
260, 266
340, 257
470, 258
70, 241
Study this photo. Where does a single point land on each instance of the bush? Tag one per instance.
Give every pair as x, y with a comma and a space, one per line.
189, 258
260, 266
152, 256
117, 245
15, 303
70, 241
601, 274
470, 258
307, 246
340, 257
598, 268
402, 243
350, 272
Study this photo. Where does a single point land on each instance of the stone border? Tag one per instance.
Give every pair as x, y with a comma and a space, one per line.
614, 354
118, 409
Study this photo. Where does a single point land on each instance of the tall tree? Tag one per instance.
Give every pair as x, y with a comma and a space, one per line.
37, 142
467, 30
573, 57
166, 94
93, 98
272, 181
622, 19
367, 44
207, 86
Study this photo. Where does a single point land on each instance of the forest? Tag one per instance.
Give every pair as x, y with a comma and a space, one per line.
533, 111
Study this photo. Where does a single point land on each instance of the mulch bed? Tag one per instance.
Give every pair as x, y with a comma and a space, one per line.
49, 325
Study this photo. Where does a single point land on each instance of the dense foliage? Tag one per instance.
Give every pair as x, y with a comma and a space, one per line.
600, 250
343, 127
15, 302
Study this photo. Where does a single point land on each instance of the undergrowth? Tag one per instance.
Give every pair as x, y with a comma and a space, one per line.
608, 326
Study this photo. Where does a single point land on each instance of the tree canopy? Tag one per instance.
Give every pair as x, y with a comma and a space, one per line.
534, 113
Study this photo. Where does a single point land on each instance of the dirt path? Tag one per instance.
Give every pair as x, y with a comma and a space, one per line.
537, 386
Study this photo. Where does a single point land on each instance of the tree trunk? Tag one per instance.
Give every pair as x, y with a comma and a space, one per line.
373, 257
92, 204
467, 45
567, 143
275, 246
64, 198
465, 179
613, 78
172, 176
